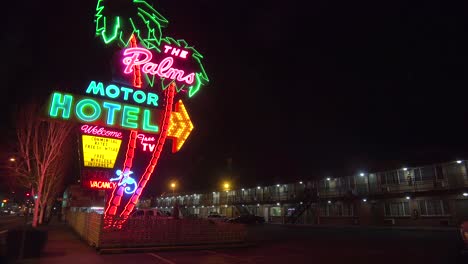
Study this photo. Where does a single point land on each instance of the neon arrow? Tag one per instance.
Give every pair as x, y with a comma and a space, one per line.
180, 126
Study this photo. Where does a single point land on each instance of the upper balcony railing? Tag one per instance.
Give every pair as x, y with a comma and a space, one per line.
406, 180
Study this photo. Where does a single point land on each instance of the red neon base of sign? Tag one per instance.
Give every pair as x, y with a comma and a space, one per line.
116, 197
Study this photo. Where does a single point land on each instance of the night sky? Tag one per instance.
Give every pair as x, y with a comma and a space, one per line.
298, 89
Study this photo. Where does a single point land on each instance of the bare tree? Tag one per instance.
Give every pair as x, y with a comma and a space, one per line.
40, 159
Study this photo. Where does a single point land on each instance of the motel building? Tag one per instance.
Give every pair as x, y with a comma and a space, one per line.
432, 195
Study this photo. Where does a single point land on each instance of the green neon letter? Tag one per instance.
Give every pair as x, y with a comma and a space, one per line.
84, 114
129, 115
146, 122
112, 107
126, 92
112, 91
139, 96
152, 99
99, 88
61, 103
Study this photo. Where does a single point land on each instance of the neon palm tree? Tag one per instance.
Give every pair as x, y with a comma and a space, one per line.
127, 23
117, 21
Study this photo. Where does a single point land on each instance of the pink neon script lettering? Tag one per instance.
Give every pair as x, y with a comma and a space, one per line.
100, 131
163, 69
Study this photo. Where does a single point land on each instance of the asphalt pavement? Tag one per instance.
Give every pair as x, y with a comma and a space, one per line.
282, 244
10, 221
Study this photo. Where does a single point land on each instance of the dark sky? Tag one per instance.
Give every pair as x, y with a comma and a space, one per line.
298, 89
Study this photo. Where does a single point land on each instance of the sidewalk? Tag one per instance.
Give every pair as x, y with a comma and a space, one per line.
64, 246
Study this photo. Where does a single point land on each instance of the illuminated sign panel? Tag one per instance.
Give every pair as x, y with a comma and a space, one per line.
100, 151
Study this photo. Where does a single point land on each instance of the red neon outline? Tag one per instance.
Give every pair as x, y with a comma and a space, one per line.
136, 73
155, 157
113, 203
102, 183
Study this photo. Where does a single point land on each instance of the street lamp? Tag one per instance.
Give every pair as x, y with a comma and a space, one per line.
12, 159
173, 186
226, 186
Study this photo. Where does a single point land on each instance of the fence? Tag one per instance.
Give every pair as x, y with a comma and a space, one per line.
87, 225
144, 232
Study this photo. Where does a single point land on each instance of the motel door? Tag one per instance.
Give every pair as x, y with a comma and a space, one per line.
266, 214
374, 214
461, 209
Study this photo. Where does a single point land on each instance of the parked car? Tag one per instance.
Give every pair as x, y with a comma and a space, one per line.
150, 213
216, 217
247, 219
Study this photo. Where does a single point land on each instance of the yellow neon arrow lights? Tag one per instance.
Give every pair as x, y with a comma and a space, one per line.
180, 126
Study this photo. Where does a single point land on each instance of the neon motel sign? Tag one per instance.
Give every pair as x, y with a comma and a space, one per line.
101, 185
148, 59
100, 131
142, 57
107, 112
147, 143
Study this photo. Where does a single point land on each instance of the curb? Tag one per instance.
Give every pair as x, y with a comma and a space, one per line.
173, 248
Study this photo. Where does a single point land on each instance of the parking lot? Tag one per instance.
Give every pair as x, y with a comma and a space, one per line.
286, 244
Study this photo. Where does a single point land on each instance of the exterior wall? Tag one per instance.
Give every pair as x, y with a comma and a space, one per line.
367, 194
338, 220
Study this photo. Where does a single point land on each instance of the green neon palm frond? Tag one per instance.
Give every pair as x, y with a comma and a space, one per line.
201, 78
117, 20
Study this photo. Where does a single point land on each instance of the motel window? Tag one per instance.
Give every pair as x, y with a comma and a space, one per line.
433, 207
275, 211
424, 174
337, 209
324, 210
417, 174
389, 177
327, 185
403, 176
216, 198
427, 173
348, 210
397, 209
